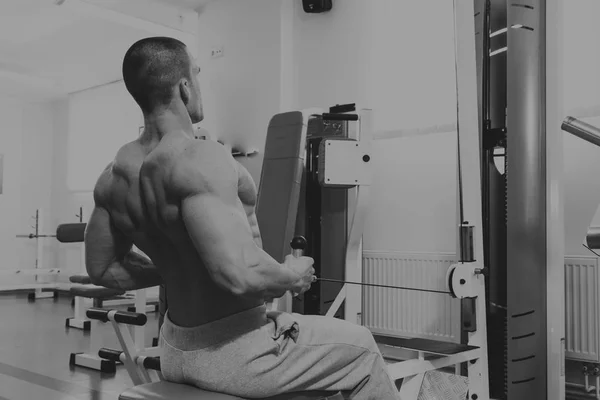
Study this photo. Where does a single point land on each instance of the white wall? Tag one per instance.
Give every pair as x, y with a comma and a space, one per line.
11, 113
412, 84
413, 201
330, 54
241, 90
26, 143
582, 190
581, 92
411, 78
37, 139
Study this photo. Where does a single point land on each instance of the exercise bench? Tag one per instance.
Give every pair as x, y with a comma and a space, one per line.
91, 359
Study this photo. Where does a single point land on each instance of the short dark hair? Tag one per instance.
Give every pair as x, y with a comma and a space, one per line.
151, 67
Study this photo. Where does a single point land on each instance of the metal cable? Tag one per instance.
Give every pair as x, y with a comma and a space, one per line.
383, 286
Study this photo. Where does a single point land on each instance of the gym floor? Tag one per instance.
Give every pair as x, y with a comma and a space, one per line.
35, 347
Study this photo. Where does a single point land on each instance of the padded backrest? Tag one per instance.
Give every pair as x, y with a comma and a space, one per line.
280, 183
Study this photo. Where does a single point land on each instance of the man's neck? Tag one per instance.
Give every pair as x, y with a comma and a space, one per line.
161, 123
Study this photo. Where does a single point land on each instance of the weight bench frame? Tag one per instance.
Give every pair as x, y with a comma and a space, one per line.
91, 359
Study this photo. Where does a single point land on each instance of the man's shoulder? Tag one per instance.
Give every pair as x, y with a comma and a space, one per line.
202, 165
123, 169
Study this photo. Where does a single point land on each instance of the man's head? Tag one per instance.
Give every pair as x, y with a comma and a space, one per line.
159, 71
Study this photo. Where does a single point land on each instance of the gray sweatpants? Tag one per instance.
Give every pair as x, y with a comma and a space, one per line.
257, 354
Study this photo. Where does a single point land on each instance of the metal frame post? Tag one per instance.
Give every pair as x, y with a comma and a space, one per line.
527, 227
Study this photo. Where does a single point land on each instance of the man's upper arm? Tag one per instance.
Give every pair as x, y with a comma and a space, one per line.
206, 179
104, 245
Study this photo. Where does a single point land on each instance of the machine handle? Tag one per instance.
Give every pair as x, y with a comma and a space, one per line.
298, 245
110, 354
123, 317
339, 117
152, 363
98, 314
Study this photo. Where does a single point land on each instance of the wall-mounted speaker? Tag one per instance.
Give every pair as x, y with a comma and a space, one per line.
316, 6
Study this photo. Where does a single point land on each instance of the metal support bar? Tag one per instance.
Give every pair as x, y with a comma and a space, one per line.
582, 130
129, 349
417, 366
339, 299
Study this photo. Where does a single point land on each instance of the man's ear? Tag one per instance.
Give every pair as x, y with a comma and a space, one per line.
184, 91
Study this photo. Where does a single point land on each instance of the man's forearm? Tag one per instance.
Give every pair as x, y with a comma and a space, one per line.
270, 279
133, 272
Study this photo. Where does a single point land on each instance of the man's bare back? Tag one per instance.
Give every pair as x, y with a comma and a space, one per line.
144, 206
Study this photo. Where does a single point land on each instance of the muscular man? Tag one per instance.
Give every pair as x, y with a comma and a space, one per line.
189, 206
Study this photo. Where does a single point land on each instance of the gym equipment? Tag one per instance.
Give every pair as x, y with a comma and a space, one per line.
329, 155
464, 281
74, 233
79, 320
281, 179
91, 359
518, 92
85, 296
65, 233
582, 130
99, 296
39, 269
338, 178
336, 162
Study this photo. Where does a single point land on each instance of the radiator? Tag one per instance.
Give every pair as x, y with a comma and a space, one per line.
581, 309
407, 313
